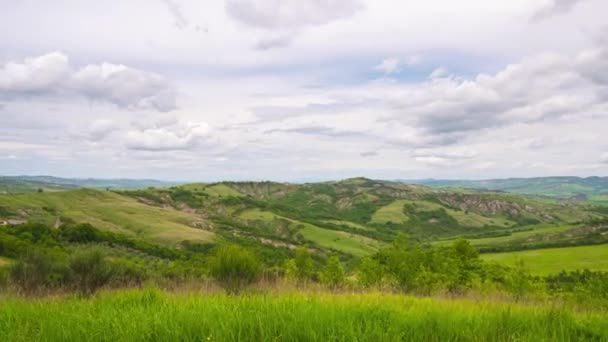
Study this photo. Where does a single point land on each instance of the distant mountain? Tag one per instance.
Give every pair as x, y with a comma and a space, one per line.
11, 184
563, 188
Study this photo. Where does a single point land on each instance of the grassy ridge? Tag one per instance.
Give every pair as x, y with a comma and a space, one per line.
554, 260
109, 211
145, 315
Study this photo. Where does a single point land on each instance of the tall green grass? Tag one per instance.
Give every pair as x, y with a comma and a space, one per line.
152, 315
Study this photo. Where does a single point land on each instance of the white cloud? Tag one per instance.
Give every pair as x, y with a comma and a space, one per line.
52, 75
290, 14
604, 158
388, 66
167, 136
125, 87
37, 74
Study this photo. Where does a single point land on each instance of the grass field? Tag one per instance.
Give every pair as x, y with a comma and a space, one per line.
553, 260
110, 211
152, 315
348, 224
354, 244
539, 229
390, 213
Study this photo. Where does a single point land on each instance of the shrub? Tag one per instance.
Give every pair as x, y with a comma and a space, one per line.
89, 271
234, 268
304, 264
35, 271
369, 272
333, 273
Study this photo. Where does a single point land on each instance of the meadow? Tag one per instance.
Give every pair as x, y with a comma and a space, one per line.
553, 260
154, 315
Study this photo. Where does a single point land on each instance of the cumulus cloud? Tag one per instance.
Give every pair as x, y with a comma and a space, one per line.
52, 75
290, 14
543, 87
555, 7
167, 136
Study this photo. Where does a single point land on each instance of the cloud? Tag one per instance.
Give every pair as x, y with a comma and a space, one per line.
440, 72
38, 74
544, 87
52, 75
273, 42
555, 7
368, 154
178, 17
604, 158
100, 129
388, 66
316, 130
125, 87
290, 14
167, 136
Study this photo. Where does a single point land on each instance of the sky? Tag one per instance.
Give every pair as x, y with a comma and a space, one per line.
303, 90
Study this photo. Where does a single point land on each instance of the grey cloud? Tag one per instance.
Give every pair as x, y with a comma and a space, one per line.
178, 17
316, 130
604, 158
540, 88
290, 14
273, 42
368, 154
52, 75
2, 106
555, 7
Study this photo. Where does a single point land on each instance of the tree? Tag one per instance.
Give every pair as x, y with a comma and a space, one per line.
333, 272
467, 263
89, 271
304, 264
369, 272
234, 268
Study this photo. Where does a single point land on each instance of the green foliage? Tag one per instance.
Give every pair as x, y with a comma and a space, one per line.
369, 272
89, 271
332, 274
304, 264
36, 271
234, 268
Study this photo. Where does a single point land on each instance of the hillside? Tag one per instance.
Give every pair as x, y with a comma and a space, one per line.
17, 184
353, 217
573, 189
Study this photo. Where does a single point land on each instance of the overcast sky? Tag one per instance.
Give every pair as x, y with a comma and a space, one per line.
303, 89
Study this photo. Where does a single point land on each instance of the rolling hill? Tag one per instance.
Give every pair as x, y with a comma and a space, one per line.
353, 217
574, 189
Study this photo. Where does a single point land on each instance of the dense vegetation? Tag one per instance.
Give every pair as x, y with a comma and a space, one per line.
152, 315
249, 239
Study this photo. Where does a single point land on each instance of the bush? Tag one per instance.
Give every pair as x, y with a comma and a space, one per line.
304, 264
89, 271
35, 271
369, 272
234, 268
333, 273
